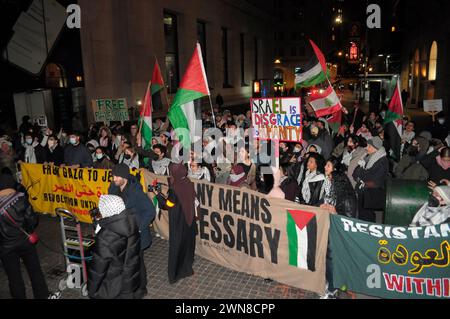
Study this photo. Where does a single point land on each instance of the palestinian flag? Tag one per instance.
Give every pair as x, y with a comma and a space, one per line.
315, 73
335, 121
395, 111
325, 103
156, 87
393, 125
145, 120
302, 239
194, 86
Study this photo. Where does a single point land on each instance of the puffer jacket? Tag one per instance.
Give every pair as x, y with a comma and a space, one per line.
115, 269
11, 236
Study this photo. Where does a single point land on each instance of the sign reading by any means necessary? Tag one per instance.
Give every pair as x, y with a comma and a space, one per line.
277, 119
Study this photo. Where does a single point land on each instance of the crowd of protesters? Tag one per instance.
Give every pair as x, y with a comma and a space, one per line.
343, 171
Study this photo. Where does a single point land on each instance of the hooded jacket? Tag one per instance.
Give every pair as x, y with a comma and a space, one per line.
115, 270
139, 203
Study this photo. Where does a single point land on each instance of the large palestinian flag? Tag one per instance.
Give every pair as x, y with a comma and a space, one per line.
194, 86
315, 72
302, 239
325, 103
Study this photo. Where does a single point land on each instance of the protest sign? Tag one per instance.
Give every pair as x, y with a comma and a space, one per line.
110, 110
432, 106
277, 119
75, 189
390, 262
248, 232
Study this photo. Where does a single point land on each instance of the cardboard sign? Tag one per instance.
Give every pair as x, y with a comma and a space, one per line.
433, 106
110, 110
278, 119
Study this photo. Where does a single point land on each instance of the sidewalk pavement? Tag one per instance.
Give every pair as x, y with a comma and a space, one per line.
210, 281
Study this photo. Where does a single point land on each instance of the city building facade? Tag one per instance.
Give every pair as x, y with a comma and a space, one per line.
121, 39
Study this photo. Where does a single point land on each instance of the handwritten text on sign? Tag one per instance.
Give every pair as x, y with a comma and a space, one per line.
107, 110
277, 119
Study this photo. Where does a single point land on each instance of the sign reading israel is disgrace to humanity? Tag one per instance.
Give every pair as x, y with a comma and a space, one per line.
75, 189
248, 232
277, 119
390, 262
110, 110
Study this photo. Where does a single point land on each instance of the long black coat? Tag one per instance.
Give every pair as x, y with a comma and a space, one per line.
181, 239
116, 269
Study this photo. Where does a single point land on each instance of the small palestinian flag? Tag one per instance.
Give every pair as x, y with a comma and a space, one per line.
302, 239
325, 103
315, 73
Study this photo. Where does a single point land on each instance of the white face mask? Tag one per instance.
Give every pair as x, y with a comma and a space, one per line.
29, 141
73, 141
297, 150
99, 156
441, 121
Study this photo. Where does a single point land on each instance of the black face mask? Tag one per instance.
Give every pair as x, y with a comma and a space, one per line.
127, 156
433, 201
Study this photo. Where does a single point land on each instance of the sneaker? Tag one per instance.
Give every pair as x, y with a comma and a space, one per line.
55, 295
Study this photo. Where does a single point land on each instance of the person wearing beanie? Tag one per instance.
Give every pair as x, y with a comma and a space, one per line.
370, 177
128, 187
18, 216
117, 267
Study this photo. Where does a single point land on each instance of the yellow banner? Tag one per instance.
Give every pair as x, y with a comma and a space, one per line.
76, 189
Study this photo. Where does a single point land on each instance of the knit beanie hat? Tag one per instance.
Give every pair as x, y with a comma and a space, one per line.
110, 205
121, 170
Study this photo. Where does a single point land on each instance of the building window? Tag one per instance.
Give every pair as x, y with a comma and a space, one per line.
433, 62
242, 56
226, 82
171, 51
256, 58
201, 38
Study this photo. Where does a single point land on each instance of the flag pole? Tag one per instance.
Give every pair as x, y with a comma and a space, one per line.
212, 111
165, 87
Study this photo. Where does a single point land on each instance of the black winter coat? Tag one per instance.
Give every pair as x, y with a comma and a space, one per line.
115, 271
11, 236
139, 203
56, 157
435, 171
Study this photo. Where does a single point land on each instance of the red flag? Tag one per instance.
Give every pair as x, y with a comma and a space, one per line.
320, 56
157, 79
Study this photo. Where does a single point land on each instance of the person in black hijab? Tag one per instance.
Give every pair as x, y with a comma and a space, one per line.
180, 203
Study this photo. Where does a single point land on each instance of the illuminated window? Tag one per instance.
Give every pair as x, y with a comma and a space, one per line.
433, 62
353, 52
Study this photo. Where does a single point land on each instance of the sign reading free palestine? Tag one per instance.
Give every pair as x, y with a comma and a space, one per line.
110, 110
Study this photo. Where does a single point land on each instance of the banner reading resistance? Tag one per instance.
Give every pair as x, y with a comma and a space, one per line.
390, 262
248, 232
